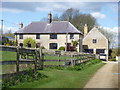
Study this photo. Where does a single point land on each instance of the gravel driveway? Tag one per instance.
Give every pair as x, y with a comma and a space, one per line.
105, 77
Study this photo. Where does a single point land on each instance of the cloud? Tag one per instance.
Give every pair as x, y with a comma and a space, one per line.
7, 28
114, 30
48, 6
98, 15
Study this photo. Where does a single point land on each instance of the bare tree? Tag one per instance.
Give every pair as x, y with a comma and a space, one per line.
76, 18
109, 35
56, 18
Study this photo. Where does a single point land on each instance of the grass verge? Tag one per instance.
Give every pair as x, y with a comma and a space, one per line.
64, 78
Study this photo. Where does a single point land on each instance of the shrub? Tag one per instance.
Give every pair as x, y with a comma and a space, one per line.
75, 49
75, 43
10, 43
42, 47
113, 59
29, 41
83, 65
61, 48
78, 67
29, 76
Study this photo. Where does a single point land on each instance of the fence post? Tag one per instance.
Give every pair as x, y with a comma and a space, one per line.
41, 58
59, 60
35, 63
72, 60
17, 62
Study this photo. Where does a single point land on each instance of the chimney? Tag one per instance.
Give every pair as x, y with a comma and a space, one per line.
85, 30
20, 25
49, 17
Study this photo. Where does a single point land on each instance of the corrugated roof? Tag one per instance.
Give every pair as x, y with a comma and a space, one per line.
54, 27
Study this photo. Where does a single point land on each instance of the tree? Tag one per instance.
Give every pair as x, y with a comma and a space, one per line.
9, 33
56, 18
76, 18
82, 19
29, 42
108, 35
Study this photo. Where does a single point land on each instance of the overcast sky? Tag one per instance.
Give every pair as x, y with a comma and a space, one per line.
13, 13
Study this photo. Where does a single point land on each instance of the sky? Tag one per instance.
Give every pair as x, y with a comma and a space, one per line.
12, 13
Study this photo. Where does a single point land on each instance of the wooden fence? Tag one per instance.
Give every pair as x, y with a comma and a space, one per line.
24, 56
40, 60
67, 60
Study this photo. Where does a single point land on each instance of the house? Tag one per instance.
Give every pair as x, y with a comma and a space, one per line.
95, 42
51, 34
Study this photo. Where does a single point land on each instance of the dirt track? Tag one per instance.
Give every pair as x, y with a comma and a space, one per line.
106, 77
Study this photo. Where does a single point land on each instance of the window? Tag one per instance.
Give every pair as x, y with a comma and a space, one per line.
37, 36
98, 51
71, 36
21, 36
94, 41
37, 45
53, 45
53, 36
88, 50
21, 44
29, 45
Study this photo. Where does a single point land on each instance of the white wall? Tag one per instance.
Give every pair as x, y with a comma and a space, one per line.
45, 39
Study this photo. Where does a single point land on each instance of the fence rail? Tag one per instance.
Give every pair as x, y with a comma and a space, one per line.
23, 56
40, 60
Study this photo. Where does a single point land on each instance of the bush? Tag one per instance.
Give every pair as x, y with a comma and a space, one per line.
42, 47
61, 48
84, 65
29, 41
78, 67
75, 43
29, 76
113, 59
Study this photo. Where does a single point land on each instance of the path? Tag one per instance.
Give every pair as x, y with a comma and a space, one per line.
105, 77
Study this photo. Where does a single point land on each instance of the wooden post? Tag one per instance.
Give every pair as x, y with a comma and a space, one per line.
58, 59
41, 58
72, 60
80, 58
35, 63
17, 62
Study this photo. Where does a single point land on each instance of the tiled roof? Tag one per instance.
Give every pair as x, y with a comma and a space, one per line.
54, 27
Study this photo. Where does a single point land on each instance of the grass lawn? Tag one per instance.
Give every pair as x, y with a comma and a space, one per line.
62, 78
8, 56
57, 58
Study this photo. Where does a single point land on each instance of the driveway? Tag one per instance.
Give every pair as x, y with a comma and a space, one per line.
105, 77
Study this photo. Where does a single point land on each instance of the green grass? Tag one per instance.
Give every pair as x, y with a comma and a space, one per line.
57, 58
62, 78
8, 56
113, 59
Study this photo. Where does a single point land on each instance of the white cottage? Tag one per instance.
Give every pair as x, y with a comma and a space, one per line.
95, 42
51, 34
